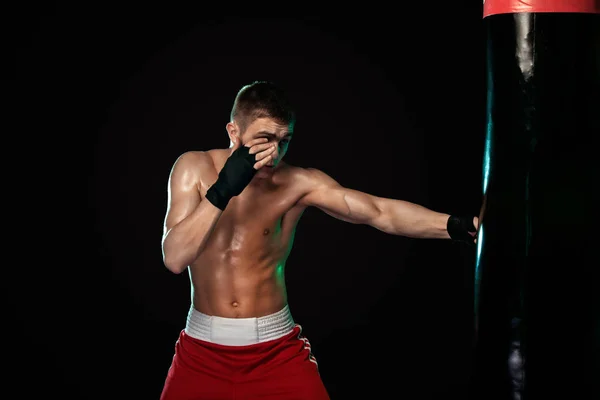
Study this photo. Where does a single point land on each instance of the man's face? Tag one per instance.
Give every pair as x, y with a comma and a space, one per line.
279, 135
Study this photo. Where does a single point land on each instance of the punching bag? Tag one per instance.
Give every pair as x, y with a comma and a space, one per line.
534, 313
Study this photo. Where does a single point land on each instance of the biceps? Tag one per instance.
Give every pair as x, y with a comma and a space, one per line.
181, 204
347, 204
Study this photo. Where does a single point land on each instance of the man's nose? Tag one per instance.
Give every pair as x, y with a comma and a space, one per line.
275, 154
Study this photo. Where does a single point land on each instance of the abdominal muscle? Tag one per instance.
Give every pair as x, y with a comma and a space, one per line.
237, 290
241, 274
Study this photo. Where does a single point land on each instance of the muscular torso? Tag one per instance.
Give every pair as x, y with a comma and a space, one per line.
240, 272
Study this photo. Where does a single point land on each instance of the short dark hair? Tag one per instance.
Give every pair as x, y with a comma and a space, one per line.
262, 99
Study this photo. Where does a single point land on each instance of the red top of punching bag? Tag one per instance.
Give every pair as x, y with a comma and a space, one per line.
491, 7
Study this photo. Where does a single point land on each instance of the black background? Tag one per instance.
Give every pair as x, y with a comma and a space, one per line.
102, 100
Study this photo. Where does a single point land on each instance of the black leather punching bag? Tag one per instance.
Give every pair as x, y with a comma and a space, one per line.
534, 313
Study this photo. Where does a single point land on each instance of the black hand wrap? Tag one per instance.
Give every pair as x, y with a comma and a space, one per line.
459, 227
237, 172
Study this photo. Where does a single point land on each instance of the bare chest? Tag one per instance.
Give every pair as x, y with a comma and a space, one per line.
257, 222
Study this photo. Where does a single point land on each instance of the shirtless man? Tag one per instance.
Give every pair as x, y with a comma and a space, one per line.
230, 222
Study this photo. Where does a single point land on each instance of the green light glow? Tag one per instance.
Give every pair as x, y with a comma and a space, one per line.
487, 157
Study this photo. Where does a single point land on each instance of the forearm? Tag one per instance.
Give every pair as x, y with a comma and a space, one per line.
403, 218
184, 242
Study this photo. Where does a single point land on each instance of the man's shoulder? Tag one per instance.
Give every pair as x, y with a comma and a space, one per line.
191, 156
306, 180
303, 176
294, 171
198, 163
199, 158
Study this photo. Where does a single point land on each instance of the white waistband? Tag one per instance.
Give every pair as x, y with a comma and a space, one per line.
238, 331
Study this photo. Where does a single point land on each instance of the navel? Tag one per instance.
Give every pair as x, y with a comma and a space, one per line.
235, 304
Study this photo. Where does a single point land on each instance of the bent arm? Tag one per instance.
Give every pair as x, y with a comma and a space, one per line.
396, 217
189, 221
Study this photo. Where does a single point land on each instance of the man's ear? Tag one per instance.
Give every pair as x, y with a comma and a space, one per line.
234, 135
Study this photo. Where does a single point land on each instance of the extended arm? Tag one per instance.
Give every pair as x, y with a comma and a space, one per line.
392, 216
189, 220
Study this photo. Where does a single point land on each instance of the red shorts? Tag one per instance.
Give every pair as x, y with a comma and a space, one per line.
278, 369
